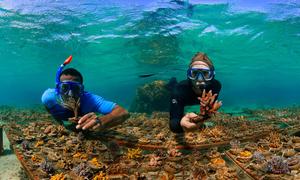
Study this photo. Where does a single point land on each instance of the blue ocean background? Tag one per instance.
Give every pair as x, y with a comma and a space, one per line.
255, 46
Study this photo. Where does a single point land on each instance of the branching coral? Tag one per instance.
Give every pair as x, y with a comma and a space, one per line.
143, 140
59, 176
80, 156
208, 103
65, 163
226, 173
199, 173
101, 176
218, 162
39, 143
95, 162
215, 132
245, 154
160, 136
274, 140
174, 152
155, 161
36, 158
73, 105
134, 153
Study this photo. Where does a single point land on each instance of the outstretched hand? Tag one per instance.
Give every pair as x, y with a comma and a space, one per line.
89, 121
188, 122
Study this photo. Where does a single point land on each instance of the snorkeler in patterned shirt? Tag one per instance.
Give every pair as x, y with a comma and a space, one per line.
200, 75
69, 101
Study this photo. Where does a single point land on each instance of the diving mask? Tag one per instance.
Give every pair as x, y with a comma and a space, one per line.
200, 74
71, 88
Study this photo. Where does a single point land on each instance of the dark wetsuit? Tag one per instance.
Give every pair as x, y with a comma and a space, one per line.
183, 95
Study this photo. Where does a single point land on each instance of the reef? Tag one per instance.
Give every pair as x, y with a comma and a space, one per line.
143, 147
271, 157
151, 97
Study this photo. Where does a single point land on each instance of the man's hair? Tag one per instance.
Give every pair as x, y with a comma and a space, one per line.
199, 56
72, 72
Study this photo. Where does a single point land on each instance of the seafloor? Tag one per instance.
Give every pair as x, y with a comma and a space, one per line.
256, 144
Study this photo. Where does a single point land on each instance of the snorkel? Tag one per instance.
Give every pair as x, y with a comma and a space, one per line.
58, 73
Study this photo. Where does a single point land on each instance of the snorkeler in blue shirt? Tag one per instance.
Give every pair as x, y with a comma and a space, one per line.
69, 101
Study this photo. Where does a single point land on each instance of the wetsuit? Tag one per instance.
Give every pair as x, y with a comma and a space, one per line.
88, 103
183, 95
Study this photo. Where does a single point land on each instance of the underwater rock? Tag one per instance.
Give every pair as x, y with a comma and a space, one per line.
151, 97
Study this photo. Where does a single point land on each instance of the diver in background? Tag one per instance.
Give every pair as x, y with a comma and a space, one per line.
200, 75
68, 100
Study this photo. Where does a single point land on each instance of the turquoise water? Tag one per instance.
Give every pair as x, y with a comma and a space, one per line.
255, 47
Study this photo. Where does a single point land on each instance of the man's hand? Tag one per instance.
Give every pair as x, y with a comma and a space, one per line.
188, 122
89, 121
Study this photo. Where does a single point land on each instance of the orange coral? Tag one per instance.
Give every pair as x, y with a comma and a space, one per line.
218, 161
174, 152
274, 140
80, 156
208, 103
36, 159
60, 176
101, 176
134, 153
39, 143
95, 162
77, 155
245, 154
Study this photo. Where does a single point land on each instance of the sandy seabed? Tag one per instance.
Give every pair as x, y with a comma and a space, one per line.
10, 167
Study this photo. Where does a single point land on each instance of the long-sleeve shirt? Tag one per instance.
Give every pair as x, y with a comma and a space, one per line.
183, 95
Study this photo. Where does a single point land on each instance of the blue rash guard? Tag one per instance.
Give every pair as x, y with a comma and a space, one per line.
88, 103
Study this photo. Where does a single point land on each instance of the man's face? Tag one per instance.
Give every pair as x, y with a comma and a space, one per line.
70, 87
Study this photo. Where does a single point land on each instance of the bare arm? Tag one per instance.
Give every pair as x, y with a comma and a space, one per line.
92, 121
116, 117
